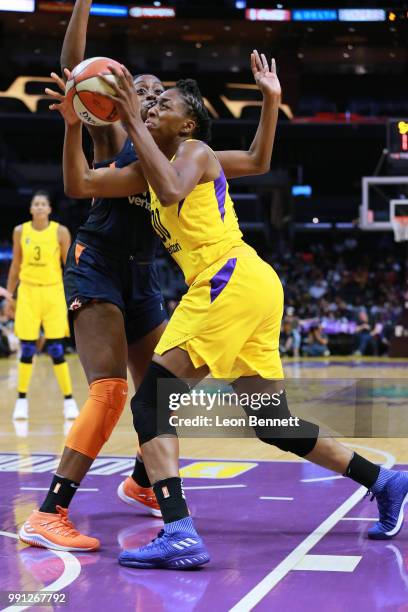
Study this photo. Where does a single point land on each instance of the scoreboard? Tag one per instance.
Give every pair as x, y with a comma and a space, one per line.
397, 139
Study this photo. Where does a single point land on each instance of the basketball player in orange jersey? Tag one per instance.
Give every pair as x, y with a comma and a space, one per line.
102, 325
215, 329
39, 246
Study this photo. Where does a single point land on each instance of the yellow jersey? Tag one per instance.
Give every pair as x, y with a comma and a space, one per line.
200, 229
41, 260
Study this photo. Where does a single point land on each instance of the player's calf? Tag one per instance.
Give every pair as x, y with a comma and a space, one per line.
178, 546
55, 349
25, 370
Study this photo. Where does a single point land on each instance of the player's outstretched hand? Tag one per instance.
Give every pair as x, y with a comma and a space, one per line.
265, 76
125, 97
64, 105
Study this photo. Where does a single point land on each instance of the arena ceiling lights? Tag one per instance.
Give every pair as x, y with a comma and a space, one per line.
18, 6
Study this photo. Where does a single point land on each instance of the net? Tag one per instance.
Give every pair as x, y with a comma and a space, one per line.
400, 228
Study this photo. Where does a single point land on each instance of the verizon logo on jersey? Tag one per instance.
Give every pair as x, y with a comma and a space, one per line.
140, 200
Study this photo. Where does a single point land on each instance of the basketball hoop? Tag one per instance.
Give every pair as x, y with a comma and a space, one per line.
400, 228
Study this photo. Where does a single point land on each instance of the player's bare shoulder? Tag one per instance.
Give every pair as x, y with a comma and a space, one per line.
191, 147
17, 231
203, 155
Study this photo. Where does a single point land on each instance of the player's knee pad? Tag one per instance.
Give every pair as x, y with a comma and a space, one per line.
55, 349
151, 410
28, 350
300, 442
280, 428
98, 417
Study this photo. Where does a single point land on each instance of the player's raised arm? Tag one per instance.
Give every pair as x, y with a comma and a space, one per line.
73, 47
257, 159
108, 140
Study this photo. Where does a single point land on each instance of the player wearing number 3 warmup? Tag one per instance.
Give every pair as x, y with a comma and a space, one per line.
39, 246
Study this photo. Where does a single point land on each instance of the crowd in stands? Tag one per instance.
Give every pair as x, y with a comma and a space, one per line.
340, 298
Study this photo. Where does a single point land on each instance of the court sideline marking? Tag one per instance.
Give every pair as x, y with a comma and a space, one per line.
72, 569
253, 597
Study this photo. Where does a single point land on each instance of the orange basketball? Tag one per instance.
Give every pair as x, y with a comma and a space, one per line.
86, 90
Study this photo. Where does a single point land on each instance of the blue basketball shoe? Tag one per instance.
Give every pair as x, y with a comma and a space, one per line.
391, 501
177, 546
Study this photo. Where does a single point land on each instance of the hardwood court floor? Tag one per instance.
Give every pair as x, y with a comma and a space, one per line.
45, 430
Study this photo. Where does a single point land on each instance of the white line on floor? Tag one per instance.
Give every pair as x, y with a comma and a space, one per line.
321, 479
266, 585
47, 488
358, 518
278, 498
237, 486
328, 563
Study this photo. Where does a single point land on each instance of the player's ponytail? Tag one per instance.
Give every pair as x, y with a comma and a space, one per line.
195, 105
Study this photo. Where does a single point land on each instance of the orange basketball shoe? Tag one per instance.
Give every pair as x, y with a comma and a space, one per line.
134, 495
55, 531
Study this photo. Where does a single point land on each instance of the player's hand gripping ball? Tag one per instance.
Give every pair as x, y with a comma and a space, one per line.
87, 91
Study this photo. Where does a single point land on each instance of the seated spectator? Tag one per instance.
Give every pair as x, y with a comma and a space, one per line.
318, 289
316, 343
289, 344
5, 349
367, 336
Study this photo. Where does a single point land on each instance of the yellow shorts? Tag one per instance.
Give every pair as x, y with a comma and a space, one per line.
41, 305
230, 318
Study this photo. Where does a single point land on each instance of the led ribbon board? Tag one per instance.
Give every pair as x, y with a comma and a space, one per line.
254, 14
362, 15
152, 12
19, 6
314, 15
108, 10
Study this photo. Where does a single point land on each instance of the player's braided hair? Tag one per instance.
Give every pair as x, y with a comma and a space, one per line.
196, 107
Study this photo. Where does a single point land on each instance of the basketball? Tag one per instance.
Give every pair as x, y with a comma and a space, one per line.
88, 91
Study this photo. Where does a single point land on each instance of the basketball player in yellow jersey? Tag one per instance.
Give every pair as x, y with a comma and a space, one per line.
227, 323
39, 246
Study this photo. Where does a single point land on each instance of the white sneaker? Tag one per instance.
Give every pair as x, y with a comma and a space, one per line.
21, 409
70, 409
21, 428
